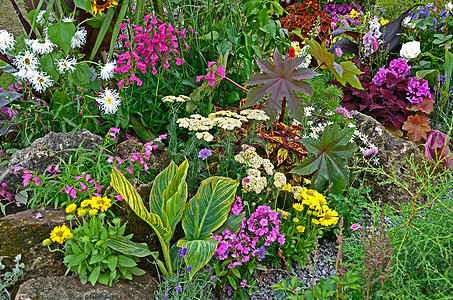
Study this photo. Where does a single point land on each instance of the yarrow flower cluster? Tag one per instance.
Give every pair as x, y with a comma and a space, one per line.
173, 99
255, 234
155, 43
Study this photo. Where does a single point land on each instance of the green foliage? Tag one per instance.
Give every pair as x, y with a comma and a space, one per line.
281, 80
180, 287
88, 254
344, 72
61, 34
203, 214
329, 157
9, 278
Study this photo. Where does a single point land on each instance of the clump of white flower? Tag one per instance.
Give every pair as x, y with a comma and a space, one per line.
279, 180
196, 123
26, 60
301, 52
107, 71
448, 6
79, 39
40, 80
66, 65
172, 99
205, 135
227, 120
407, 23
6, 41
41, 46
410, 50
109, 101
254, 182
308, 110
41, 18
255, 114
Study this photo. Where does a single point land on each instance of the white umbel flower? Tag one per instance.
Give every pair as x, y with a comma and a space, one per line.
107, 70
6, 41
26, 60
41, 46
79, 39
40, 80
66, 65
109, 101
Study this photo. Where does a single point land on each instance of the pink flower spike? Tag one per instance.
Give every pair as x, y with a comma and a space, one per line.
37, 180
211, 63
119, 198
220, 71
119, 160
130, 170
38, 216
199, 78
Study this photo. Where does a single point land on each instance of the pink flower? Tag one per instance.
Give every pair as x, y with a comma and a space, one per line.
211, 63
130, 170
110, 160
37, 180
199, 78
355, 226
119, 160
119, 198
70, 191
211, 78
17, 169
220, 71
179, 61
38, 215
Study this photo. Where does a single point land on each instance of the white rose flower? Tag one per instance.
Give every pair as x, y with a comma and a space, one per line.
410, 50
407, 23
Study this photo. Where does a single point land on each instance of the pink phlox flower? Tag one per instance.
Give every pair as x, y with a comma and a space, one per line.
27, 176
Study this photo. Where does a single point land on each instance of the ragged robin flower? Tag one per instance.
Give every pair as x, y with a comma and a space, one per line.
101, 5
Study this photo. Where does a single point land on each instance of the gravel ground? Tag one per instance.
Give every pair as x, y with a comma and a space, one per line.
325, 266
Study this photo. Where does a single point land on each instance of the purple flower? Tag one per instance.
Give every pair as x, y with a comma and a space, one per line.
338, 52
178, 289
244, 283
229, 290
204, 153
236, 208
211, 279
182, 252
189, 268
343, 111
436, 147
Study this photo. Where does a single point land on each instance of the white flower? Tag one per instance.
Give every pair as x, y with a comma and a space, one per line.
79, 39
23, 74
69, 19
6, 41
41, 20
107, 70
66, 65
407, 23
26, 60
40, 80
109, 101
448, 6
41, 46
410, 50
204, 135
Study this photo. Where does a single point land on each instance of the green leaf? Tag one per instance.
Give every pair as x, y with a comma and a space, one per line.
130, 195
126, 246
112, 262
326, 60
94, 276
104, 27
48, 64
210, 36
430, 75
80, 4
81, 75
168, 195
281, 80
61, 34
329, 158
199, 253
209, 208
140, 129
448, 68
124, 261
232, 223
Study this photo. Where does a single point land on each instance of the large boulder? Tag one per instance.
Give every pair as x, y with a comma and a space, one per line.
70, 288
394, 154
23, 233
46, 151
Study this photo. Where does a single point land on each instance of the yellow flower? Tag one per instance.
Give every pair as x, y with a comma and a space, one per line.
60, 233
354, 14
298, 206
296, 220
284, 213
328, 218
70, 208
85, 203
300, 228
100, 203
101, 5
307, 181
46, 242
81, 211
383, 21
93, 211
286, 187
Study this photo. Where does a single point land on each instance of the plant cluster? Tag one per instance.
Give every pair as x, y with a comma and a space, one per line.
9, 278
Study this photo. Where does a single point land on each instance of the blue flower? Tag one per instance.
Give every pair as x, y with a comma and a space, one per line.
178, 289
204, 153
189, 268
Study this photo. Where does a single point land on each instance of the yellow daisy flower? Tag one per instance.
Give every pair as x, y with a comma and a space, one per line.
70, 208
81, 211
60, 233
328, 218
298, 206
354, 14
286, 187
300, 228
296, 220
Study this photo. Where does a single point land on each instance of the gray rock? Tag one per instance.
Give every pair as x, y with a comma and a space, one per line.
46, 151
23, 234
394, 153
70, 288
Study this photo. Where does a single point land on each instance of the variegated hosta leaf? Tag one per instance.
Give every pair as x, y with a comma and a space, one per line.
209, 208
199, 253
169, 194
130, 195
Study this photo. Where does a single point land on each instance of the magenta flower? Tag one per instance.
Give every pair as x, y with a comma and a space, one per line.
355, 226
38, 216
436, 147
